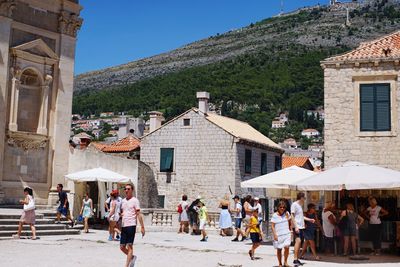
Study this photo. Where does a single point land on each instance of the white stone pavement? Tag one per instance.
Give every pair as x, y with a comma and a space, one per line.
155, 249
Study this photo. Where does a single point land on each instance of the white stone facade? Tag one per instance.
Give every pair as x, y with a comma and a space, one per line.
207, 160
37, 51
343, 139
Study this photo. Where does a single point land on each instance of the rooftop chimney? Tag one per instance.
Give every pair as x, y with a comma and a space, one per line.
156, 118
203, 98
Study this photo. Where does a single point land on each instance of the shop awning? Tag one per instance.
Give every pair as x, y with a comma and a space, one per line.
99, 175
351, 176
281, 179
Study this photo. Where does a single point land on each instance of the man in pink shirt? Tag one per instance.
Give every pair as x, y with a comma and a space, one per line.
130, 212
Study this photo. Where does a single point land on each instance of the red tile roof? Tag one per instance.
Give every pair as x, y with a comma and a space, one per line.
294, 161
126, 144
384, 48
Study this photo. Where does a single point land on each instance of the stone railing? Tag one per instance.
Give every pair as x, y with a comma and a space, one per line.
166, 220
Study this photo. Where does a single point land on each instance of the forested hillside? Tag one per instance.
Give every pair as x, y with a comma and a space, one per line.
278, 70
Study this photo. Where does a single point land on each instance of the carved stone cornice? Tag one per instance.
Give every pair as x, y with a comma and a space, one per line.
69, 23
27, 141
7, 7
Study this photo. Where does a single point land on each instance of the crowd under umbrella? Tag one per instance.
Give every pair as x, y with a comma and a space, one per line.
101, 176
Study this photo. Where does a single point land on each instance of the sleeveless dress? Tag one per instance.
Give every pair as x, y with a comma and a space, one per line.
115, 216
225, 220
87, 212
28, 215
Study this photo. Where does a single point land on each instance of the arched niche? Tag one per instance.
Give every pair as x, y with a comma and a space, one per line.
29, 100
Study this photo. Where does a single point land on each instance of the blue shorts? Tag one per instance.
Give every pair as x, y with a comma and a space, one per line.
127, 235
299, 235
255, 237
238, 223
63, 211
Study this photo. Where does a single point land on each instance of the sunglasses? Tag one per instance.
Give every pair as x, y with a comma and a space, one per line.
127, 189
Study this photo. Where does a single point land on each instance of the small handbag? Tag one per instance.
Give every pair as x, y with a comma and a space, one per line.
30, 205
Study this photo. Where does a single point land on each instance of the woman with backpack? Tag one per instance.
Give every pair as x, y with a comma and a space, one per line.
348, 224
28, 214
183, 215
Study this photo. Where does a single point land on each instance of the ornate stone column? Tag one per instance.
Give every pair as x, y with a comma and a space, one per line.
15, 84
42, 125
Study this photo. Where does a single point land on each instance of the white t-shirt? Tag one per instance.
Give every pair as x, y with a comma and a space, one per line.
281, 223
130, 208
297, 211
374, 215
258, 207
326, 224
238, 215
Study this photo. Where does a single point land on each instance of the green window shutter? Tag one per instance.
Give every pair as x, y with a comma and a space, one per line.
263, 163
247, 161
375, 107
383, 107
166, 159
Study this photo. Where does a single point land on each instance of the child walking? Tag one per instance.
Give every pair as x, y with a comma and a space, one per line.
203, 216
255, 233
281, 229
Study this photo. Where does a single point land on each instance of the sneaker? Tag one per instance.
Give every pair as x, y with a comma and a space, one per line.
57, 222
72, 224
132, 263
110, 238
297, 262
235, 240
203, 240
117, 237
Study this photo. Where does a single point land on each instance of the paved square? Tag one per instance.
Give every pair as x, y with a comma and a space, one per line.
155, 249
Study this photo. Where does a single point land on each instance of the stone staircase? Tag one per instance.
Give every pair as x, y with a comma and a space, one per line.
45, 224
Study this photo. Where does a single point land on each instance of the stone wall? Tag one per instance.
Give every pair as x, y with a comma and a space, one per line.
255, 168
204, 160
343, 140
207, 161
147, 187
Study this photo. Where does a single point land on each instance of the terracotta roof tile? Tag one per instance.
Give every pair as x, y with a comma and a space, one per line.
386, 47
126, 144
98, 146
293, 161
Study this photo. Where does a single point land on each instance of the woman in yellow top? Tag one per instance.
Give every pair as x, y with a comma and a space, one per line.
255, 233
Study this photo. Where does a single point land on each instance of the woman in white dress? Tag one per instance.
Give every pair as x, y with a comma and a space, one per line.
280, 224
183, 215
28, 215
114, 215
225, 219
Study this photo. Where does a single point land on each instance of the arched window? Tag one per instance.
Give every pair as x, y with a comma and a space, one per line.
29, 101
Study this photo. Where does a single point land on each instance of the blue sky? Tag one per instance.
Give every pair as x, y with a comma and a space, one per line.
119, 31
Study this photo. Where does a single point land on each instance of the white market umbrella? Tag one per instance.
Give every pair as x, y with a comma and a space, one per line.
281, 179
99, 175
351, 176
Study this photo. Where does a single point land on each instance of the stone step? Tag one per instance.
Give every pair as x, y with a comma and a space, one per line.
42, 232
14, 227
18, 216
16, 221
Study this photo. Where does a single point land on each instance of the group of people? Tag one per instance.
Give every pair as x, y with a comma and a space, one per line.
126, 211
287, 223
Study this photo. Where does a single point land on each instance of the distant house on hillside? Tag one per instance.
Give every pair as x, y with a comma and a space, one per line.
290, 143
362, 104
201, 153
276, 124
106, 114
310, 133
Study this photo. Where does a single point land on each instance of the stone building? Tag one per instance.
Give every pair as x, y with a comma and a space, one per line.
362, 104
37, 50
201, 153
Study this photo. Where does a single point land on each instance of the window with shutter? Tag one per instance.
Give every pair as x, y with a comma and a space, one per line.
166, 159
375, 107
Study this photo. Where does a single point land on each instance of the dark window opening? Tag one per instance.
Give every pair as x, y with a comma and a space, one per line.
186, 122
278, 163
166, 159
263, 163
247, 161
